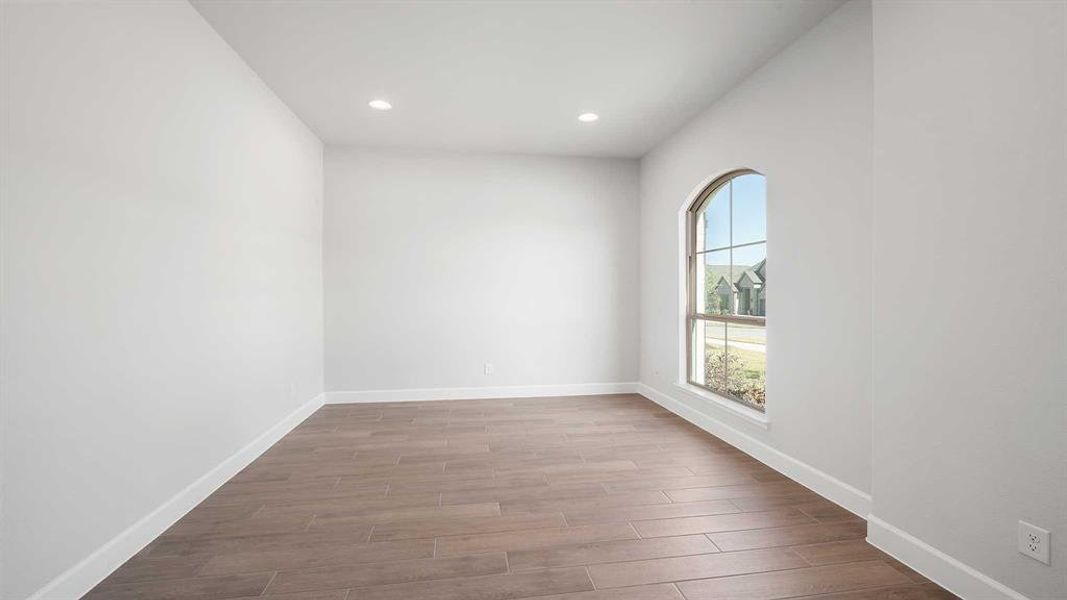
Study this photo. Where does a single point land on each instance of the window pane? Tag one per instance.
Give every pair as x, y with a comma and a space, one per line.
698, 232
747, 370
716, 220
696, 355
700, 282
714, 347
715, 294
750, 209
750, 280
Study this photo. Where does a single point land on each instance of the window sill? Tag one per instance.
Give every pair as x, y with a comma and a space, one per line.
733, 407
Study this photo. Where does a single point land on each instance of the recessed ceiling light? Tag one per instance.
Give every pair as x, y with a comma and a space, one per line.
379, 105
588, 117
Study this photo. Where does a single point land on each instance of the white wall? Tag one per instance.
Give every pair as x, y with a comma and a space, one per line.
164, 257
161, 269
970, 418
804, 121
437, 263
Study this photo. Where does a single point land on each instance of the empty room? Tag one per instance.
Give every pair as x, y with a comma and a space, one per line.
469, 300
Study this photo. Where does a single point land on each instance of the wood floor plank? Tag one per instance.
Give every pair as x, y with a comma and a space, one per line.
251, 526
317, 555
466, 484
532, 539
643, 513
609, 551
501, 587
838, 552
564, 505
402, 515
699, 566
349, 505
812, 533
196, 546
297, 494
643, 592
219, 514
677, 484
620, 476
512, 494
446, 525
796, 582
717, 523
366, 575
245, 489
763, 502
502, 499
904, 592
730, 492
315, 595
350, 468
201, 588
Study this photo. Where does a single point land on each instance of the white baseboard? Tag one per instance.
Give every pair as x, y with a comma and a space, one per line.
824, 484
82, 577
935, 565
475, 393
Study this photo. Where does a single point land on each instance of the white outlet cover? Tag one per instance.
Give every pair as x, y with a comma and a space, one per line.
1034, 542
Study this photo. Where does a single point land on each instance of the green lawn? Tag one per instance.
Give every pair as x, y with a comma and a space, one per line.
754, 363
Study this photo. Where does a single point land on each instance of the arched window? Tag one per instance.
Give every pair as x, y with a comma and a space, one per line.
727, 288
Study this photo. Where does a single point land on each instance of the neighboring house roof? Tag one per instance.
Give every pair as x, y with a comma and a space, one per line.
752, 277
761, 269
722, 284
757, 273
749, 279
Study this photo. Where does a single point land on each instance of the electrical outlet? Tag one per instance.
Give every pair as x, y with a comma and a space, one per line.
1033, 542
488, 368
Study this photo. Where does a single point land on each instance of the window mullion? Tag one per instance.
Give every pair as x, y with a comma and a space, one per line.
720, 249
733, 300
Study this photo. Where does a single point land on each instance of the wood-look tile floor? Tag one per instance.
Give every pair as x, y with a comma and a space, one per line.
577, 498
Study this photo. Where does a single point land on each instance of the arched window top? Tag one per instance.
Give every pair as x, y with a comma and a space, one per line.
732, 211
727, 287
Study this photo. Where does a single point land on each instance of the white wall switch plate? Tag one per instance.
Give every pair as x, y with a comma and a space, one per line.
1034, 542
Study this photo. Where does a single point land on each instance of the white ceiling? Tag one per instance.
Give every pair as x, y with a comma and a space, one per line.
506, 76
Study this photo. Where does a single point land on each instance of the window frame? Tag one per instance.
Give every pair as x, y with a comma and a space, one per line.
691, 254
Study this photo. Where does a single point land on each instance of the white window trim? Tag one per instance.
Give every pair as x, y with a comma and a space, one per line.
753, 416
